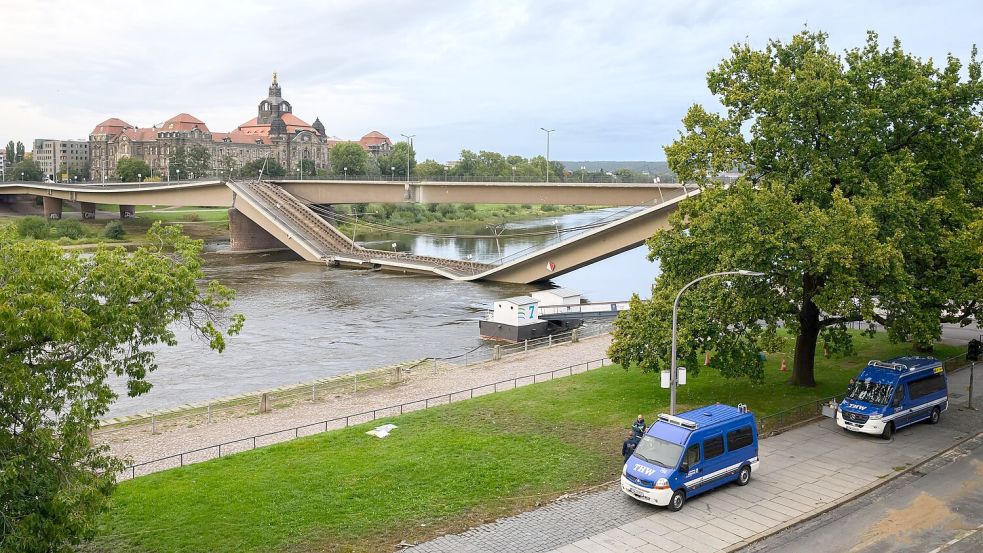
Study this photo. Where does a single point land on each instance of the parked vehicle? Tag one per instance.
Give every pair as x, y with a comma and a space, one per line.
889, 395
682, 456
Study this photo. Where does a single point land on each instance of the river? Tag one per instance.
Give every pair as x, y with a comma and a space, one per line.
306, 321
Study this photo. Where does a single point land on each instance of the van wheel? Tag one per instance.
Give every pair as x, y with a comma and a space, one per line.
677, 500
888, 431
744, 476
936, 415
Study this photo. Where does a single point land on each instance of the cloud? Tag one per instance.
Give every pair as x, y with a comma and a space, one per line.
614, 77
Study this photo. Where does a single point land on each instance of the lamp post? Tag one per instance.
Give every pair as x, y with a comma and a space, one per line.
673, 377
179, 175
392, 169
583, 173
513, 173
547, 131
409, 141
139, 177
346, 173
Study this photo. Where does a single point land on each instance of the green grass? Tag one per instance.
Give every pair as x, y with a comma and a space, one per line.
441, 470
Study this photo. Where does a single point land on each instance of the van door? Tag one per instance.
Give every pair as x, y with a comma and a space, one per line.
691, 469
897, 406
715, 464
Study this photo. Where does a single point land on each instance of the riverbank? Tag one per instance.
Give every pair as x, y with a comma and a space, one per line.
138, 444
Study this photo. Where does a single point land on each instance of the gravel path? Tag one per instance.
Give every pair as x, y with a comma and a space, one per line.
138, 445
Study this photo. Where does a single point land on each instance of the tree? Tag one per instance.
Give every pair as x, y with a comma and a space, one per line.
19, 153
431, 170
269, 166
199, 161
10, 152
30, 170
307, 167
350, 155
397, 159
177, 164
862, 176
131, 169
68, 323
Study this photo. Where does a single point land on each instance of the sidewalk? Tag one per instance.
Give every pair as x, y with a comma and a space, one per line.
803, 472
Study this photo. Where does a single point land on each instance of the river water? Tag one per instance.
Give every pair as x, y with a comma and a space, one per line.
306, 321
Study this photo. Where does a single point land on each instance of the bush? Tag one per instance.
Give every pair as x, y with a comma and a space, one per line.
33, 227
446, 209
114, 230
548, 207
526, 206
432, 208
468, 207
69, 228
511, 209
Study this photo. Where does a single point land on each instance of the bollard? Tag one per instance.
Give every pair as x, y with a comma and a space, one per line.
549, 341
264, 403
356, 382
435, 365
209, 413
497, 355
313, 392
526, 346
153, 424
575, 335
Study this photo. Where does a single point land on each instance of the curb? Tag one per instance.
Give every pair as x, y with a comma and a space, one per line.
845, 499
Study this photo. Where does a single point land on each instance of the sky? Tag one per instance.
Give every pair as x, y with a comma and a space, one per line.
614, 78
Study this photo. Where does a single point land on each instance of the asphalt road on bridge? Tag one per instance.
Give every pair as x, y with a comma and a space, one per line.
936, 508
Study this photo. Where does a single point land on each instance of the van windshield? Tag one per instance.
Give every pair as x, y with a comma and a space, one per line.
658, 451
871, 392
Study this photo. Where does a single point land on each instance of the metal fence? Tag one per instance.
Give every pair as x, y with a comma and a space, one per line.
336, 423
351, 383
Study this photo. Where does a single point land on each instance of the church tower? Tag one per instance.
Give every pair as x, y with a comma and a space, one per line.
273, 107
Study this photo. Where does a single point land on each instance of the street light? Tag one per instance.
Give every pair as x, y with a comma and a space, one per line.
393, 170
513, 173
547, 131
673, 376
178, 174
139, 177
346, 173
583, 173
409, 140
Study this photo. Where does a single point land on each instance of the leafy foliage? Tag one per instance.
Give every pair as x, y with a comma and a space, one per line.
25, 169
131, 169
68, 322
114, 230
269, 166
348, 158
394, 163
861, 196
33, 227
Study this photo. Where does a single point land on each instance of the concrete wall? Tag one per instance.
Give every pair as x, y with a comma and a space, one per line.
245, 235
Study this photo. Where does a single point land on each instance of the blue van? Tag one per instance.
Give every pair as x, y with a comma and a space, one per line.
889, 395
688, 454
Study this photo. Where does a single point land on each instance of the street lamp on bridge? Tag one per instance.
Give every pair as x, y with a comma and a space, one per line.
547, 131
409, 141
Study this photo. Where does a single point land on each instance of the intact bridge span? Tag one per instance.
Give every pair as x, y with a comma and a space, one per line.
272, 214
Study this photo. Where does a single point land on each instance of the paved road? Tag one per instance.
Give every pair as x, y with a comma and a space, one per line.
940, 505
803, 471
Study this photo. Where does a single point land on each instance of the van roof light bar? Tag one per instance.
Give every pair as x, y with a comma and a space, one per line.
677, 421
892, 366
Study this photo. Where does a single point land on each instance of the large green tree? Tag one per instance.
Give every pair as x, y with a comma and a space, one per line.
269, 166
394, 163
131, 169
10, 153
862, 178
349, 158
69, 322
19, 153
199, 161
28, 168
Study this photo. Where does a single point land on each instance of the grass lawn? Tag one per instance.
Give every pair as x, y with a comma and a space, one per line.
442, 470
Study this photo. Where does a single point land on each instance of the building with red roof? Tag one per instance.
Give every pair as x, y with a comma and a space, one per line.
275, 132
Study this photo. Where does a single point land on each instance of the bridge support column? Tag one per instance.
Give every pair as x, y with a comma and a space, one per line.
88, 210
245, 235
52, 207
127, 211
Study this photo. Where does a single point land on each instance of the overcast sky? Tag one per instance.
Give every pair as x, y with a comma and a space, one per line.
613, 77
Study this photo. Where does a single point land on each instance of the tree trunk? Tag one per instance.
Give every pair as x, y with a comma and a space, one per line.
803, 366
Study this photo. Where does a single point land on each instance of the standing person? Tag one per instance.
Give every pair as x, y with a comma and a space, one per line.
628, 447
639, 427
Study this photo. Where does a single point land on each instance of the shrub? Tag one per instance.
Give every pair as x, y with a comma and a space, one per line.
446, 209
548, 207
526, 206
69, 228
511, 209
33, 227
468, 207
114, 230
432, 208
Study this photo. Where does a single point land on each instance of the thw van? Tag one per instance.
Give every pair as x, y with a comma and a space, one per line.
889, 395
682, 456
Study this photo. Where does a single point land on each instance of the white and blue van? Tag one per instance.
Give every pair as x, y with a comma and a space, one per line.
889, 395
691, 453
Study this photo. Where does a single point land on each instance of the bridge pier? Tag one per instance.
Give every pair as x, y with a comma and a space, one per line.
52, 207
245, 235
88, 210
127, 211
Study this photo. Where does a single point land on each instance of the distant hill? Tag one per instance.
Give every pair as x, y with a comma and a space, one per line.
651, 167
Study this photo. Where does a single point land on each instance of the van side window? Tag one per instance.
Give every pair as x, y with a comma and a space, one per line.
712, 447
741, 437
926, 386
898, 396
693, 454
